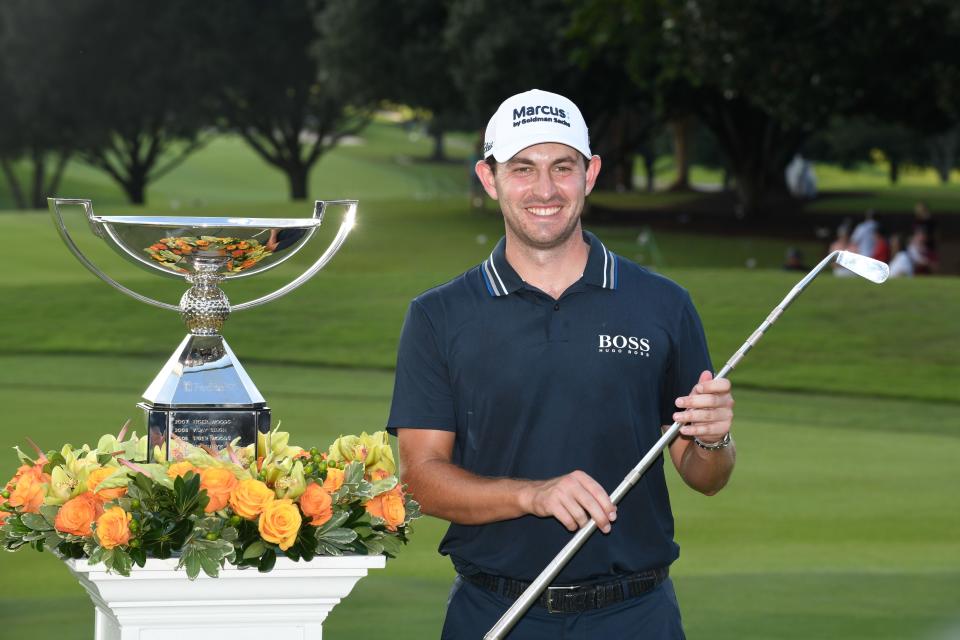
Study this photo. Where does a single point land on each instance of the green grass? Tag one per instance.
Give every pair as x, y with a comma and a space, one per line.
841, 520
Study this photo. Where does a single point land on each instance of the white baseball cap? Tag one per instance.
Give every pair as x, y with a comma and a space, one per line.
533, 117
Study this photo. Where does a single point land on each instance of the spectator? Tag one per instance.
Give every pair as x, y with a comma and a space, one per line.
881, 248
924, 259
900, 265
842, 243
794, 260
863, 234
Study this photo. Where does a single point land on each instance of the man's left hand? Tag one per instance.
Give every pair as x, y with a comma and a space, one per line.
707, 413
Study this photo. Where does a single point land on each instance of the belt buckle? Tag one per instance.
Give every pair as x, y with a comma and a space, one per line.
550, 592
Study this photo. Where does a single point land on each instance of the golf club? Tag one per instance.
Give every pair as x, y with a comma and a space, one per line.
872, 270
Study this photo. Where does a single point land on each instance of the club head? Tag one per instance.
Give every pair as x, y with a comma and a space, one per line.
872, 270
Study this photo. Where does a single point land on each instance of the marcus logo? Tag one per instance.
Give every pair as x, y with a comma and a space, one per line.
538, 110
624, 344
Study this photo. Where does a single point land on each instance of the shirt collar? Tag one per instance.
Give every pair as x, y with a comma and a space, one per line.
501, 279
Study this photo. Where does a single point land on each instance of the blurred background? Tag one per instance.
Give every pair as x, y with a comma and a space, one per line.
740, 142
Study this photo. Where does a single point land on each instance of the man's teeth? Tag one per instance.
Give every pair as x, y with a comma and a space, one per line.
543, 211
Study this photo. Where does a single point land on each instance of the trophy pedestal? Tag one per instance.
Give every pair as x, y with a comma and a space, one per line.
158, 602
203, 396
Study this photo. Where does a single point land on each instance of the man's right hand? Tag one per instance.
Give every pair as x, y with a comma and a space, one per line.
573, 499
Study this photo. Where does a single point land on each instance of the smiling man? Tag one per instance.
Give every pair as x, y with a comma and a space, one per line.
529, 386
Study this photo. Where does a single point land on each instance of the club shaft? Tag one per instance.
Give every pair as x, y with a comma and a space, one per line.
542, 581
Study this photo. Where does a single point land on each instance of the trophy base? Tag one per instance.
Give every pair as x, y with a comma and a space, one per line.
209, 428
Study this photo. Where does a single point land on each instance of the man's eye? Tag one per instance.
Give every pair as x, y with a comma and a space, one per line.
562, 168
522, 170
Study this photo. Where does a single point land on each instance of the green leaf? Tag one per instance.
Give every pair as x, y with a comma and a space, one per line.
191, 562
255, 550
386, 484
339, 517
339, 536
49, 513
374, 546
36, 522
267, 560
391, 545
327, 549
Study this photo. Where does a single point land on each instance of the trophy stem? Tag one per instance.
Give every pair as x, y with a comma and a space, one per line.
205, 307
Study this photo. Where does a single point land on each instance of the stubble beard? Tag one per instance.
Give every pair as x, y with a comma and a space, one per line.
525, 238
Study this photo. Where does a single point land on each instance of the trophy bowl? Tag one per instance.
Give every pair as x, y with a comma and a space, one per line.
203, 396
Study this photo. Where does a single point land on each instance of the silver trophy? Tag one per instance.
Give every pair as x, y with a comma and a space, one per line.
203, 396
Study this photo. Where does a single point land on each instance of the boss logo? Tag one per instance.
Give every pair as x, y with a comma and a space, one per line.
624, 344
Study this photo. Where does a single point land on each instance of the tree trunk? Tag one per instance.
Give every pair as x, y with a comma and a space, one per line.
894, 170
135, 186
681, 128
15, 191
649, 168
436, 132
39, 161
297, 176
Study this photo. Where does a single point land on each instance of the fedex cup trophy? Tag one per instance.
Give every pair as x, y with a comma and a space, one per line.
203, 396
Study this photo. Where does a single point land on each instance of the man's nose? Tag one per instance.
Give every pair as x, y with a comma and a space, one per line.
545, 187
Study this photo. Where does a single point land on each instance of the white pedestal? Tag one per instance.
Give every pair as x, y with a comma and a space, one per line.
159, 603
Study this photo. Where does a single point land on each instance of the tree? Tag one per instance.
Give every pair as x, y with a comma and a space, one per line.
288, 92
763, 76
402, 55
38, 121
144, 102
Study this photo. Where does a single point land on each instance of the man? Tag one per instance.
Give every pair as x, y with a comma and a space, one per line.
529, 386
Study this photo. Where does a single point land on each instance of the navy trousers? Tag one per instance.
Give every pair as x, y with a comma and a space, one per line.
472, 610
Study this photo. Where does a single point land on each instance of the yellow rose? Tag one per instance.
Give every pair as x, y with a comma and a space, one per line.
249, 498
180, 469
389, 507
334, 479
113, 528
316, 504
219, 483
99, 475
280, 522
78, 514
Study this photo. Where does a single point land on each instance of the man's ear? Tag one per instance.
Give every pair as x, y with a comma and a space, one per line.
487, 179
593, 170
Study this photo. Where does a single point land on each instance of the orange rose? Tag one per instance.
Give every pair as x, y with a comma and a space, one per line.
249, 498
113, 528
280, 522
34, 472
180, 469
29, 493
334, 479
316, 504
218, 482
389, 507
99, 475
77, 514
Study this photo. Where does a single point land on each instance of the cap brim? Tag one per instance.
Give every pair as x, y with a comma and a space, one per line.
504, 153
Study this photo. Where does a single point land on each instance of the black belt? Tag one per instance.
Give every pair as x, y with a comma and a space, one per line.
576, 598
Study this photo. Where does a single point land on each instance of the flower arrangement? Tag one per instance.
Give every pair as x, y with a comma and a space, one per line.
241, 254
208, 507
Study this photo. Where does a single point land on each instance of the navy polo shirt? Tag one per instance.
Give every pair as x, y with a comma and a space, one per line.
535, 388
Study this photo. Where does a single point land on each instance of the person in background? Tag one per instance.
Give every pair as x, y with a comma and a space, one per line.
900, 265
794, 260
924, 258
864, 234
842, 243
881, 248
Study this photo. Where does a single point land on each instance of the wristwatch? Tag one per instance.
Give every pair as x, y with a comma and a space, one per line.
722, 443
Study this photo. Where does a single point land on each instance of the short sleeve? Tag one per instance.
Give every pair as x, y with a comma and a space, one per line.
689, 358
422, 395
